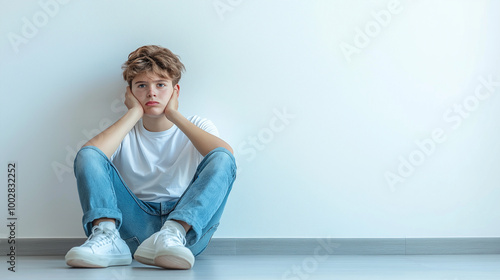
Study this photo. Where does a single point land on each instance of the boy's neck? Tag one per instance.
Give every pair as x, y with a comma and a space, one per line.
156, 124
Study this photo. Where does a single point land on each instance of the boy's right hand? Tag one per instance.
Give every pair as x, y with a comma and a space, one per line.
131, 101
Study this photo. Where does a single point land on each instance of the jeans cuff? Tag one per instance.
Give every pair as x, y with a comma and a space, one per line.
98, 213
190, 220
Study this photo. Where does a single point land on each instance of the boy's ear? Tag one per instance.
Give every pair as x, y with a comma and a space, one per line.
177, 88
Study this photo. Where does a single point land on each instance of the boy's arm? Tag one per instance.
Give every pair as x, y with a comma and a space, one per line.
203, 141
109, 140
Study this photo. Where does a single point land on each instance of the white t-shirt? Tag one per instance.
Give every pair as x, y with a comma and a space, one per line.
158, 166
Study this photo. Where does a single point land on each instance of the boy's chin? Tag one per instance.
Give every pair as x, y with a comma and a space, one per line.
154, 114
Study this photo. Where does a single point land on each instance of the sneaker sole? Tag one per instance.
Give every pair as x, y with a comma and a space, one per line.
174, 258
144, 256
169, 260
172, 262
77, 259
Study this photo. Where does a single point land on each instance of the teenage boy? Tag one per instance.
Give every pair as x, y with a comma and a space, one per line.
153, 184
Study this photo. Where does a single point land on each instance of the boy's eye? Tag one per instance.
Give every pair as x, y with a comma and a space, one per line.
141, 86
161, 85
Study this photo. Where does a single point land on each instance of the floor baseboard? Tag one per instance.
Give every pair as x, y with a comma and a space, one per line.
293, 246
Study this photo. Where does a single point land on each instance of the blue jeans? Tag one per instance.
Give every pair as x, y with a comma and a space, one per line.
103, 194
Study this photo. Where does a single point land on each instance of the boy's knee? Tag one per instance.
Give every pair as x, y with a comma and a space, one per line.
222, 157
86, 155
221, 163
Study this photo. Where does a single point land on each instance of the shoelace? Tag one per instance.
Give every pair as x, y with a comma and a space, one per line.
99, 236
171, 237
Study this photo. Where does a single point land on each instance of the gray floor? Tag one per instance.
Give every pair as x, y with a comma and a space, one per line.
220, 267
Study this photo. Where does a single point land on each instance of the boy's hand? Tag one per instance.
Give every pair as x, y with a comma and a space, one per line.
131, 101
172, 105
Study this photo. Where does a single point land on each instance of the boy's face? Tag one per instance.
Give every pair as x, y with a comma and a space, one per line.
153, 92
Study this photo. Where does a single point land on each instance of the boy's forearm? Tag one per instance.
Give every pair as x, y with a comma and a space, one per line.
203, 141
109, 140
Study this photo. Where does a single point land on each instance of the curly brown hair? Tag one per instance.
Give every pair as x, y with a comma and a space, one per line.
158, 60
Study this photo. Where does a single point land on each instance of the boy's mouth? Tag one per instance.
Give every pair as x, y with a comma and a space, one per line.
152, 103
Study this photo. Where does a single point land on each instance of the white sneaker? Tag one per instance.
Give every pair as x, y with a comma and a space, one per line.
103, 248
166, 249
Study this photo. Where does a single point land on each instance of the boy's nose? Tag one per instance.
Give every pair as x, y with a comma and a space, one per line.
151, 93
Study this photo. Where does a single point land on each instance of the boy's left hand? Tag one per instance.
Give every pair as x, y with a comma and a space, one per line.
172, 105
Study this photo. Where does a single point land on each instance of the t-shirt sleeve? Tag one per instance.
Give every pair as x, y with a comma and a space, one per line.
126, 141
206, 125
116, 152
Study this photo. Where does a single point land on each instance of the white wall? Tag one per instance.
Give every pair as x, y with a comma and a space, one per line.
350, 117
